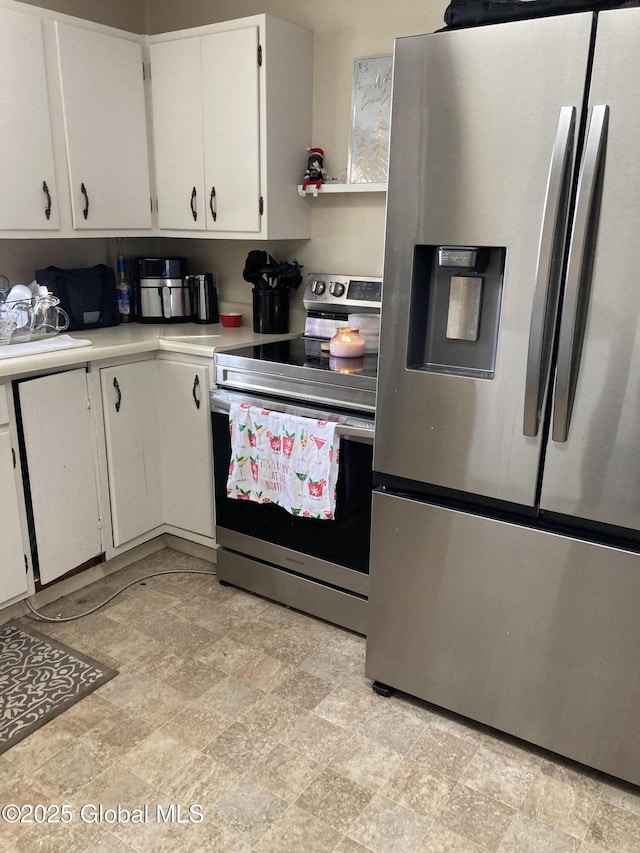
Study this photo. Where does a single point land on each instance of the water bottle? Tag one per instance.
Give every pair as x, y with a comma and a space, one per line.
123, 291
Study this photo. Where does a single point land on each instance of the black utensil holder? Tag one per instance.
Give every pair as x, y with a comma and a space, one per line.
271, 311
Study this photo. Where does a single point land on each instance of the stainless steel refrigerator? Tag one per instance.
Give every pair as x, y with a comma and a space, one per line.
505, 574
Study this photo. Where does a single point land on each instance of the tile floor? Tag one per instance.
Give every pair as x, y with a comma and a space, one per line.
263, 718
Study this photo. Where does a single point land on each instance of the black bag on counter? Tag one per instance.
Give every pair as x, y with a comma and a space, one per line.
88, 295
473, 13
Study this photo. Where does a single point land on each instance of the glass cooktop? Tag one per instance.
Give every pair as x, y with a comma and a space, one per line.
299, 370
307, 352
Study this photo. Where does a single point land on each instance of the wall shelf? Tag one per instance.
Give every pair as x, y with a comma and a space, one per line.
327, 189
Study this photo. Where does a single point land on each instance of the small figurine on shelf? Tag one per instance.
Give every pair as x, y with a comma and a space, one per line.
315, 174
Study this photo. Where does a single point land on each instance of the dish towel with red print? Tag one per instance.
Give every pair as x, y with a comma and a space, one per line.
283, 459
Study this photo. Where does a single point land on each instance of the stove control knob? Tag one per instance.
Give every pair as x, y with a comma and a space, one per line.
336, 288
318, 287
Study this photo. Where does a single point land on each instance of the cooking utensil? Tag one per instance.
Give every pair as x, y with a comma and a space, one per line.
265, 273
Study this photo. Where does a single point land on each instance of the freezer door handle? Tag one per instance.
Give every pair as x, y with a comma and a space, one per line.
548, 270
581, 250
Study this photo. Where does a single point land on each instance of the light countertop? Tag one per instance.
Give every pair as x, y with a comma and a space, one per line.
135, 338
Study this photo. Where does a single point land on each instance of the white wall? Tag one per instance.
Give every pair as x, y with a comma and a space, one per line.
124, 14
347, 230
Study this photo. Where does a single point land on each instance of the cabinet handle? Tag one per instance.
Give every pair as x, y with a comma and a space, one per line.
84, 192
196, 383
212, 200
45, 190
117, 387
194, 212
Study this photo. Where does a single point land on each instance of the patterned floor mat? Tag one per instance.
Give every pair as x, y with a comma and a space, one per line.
39, 679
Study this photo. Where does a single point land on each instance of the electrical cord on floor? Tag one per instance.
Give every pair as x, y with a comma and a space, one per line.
46, 618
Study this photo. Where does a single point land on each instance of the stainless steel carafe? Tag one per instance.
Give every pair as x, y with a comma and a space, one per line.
204, 297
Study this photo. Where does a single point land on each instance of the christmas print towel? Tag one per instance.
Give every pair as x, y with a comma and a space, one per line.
283, 459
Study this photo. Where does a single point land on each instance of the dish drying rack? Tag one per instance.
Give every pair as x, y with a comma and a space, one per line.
31, 319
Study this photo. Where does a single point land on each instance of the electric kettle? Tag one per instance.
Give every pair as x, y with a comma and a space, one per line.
204, 297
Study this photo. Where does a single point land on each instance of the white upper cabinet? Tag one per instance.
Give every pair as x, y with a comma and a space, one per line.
103, 100
177, 133
231, 123
28, 194
230, 106
231, 126
208, 178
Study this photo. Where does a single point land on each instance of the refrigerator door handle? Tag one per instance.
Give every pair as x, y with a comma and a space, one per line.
548, 270
578, 278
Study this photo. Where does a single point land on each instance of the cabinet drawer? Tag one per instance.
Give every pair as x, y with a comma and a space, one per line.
4, 407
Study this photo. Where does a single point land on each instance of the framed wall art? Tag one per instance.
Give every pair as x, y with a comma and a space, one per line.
370, 120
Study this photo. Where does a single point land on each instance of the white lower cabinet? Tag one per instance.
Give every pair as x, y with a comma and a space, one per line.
159, 451
132, 434
153, 442
60, 455
14, 582
13, 574
187, 466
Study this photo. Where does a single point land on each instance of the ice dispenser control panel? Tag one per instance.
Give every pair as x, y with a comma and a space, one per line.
455, 309
465, 291
457, 256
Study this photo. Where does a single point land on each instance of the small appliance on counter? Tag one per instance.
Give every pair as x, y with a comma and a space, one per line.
204, 297
162, 294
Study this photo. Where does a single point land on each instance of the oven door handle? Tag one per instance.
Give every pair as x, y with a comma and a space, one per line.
354, 429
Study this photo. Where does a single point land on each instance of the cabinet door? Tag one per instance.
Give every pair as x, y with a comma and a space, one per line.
185, 422
59, 440
177, 132
230, 109
105, 128
130, 406
27, 179
13, 577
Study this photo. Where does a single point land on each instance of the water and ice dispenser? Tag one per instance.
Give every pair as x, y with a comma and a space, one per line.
456, 295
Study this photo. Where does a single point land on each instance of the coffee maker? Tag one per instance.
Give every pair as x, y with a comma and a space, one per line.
162, 295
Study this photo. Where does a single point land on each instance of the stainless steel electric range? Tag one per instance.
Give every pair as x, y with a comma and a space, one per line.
320, 567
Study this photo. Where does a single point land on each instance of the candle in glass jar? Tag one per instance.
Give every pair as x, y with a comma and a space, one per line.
346, 343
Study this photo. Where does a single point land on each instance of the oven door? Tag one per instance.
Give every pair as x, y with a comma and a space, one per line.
333, 552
